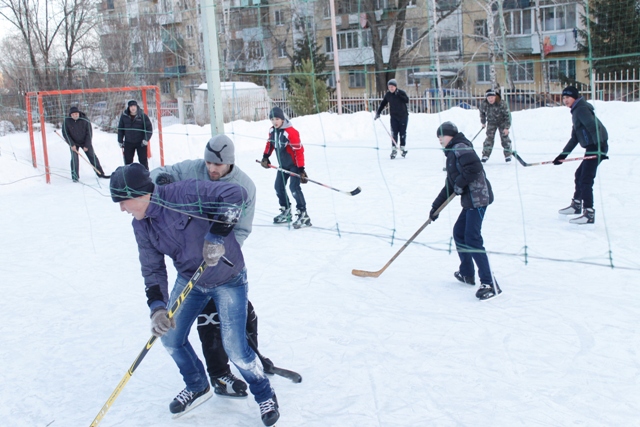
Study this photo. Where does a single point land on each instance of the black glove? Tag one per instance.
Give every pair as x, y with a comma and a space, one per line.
558, 160
377, 116
304, 178
164, 179
433, 214
265, 162
121, 144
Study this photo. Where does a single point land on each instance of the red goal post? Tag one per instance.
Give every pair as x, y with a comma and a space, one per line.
52, 106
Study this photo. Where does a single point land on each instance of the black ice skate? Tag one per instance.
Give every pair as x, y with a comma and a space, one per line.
404, 153
229, 385
269, 411
394, 153
187, 400
488, 291
283, 217
470, 280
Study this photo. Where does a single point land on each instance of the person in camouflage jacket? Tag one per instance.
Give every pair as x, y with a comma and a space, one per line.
494, 115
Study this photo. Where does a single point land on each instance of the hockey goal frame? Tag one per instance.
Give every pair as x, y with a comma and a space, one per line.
41, 113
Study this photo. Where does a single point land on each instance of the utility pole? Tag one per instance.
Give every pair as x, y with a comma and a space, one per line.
212, 66
336, 60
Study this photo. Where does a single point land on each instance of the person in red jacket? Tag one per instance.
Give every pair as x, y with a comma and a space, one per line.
285, 141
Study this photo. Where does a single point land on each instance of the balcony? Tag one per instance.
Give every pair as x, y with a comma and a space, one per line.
172, 44
173, 17
175, 71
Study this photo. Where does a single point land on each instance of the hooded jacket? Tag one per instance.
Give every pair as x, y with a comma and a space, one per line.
197, 169
285, 141
77, 132
133, 130
175, 224
496, 114
465, 171
587, 130
397, 104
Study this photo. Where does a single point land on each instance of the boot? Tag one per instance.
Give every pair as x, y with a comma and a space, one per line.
303, 220
588, 217
575, 208
284, 216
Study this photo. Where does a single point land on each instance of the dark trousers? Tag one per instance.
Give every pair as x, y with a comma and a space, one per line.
467, 233
211, 338
399, 130
584, 178
91, 155
294, 186
130, 150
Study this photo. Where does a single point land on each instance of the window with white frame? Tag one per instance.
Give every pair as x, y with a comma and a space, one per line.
282, 83
448, 44
522, 72
410, 79
356, 79
383, 36
348, 40
165, 87
366, 38
562, 67
480, 27
255, 50
410, 36
282, 50
484, 73
382, 4
331, 81
192, 59
279, 15
189, 31
518, 22
328, 44
558, 17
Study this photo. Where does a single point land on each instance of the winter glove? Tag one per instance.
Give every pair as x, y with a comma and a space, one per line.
558, 160
213, 249
377, 116
144, 142
432, 215
164, 179
265, 162
160, 323
458, 190
304, 178
121, 144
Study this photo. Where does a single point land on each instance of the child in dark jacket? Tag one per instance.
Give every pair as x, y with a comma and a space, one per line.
466, 178
285, 141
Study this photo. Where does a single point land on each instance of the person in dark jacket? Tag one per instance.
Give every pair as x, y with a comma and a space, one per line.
399, 116
78, 133
285, 141
495, 116
188, 221
591, 134
134, 133
466, 178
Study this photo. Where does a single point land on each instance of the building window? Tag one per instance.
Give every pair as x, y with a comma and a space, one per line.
279, 15
356, 79
522, 72
411, 36
282, 50
382, 4
518, 22
189, 31
556, 18
328, 44
484, 73
562, 68
480, 27
348, 40
366, 38
410, 79
442, 5
448, 44
165, 87
331, 81
133, 22
110, 5
383, 36
255, 50
282, 84
178, 85
192, 59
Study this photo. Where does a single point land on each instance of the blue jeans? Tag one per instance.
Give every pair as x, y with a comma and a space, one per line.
469, 244
231, 300
294, 186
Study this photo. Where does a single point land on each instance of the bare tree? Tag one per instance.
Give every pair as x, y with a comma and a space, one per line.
78, 24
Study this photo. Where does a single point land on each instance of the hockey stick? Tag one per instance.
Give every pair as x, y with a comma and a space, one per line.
348, 193
395, 144
187, 289
523, 163
269, 367
364, 273
80, 153
474, 138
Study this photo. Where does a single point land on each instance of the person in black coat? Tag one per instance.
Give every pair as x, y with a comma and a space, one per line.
466, 178
134, 132
76, 130
399, 116
591, 134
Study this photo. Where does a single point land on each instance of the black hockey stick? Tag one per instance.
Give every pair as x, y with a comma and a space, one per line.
348, 193
364, 273
523, 163
269, 367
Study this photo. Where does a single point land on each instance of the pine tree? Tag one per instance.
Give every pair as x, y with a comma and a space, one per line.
308, 93
614, 27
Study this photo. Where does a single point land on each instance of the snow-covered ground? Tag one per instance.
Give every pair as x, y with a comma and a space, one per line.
413, 347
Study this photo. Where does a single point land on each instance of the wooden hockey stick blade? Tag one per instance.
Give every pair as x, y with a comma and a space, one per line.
363, 273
